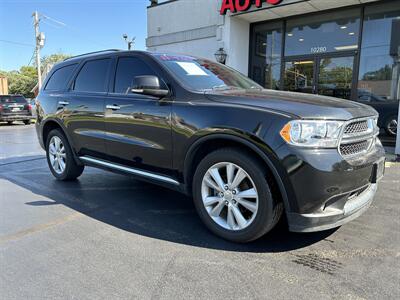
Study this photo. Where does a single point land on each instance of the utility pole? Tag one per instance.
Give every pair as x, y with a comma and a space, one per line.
39, 42
129, 42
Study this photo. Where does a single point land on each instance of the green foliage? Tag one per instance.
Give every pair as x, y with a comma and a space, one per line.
23, 81
53, 59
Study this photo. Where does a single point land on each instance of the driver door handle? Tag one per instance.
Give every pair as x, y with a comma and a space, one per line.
113, 107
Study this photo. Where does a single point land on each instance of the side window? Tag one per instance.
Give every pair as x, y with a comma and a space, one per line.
60, 78
93, 76
127, 69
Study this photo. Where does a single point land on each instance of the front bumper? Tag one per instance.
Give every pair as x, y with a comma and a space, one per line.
332, 217
325, 190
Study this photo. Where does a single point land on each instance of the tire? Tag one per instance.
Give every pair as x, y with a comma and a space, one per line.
391, 125
9, 122
265, 210
27, 122
71, 169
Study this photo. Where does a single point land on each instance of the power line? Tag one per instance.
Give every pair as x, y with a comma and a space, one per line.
17, 43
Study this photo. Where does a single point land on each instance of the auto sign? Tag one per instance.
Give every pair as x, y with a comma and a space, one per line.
243, 5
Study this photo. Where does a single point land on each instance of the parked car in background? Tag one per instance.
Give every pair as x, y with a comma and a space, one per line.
244, 153
388, 110
32, 102
15, 108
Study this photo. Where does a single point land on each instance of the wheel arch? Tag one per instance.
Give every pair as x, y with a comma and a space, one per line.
209, 143
52, 124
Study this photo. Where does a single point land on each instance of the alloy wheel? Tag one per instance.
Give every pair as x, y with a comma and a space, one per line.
229, 196
392, 127
57, 155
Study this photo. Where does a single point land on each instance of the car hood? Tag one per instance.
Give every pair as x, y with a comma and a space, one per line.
301, 105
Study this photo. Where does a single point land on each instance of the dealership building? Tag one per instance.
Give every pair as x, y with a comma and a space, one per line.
348, 49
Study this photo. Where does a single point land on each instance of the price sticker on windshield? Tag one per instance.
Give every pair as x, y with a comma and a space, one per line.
192, 69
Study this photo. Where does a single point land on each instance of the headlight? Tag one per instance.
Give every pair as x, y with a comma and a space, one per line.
312, 133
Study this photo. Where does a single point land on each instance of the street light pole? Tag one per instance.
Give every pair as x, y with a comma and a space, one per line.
129, 42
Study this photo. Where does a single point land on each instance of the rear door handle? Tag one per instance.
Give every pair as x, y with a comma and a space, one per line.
63, 103
113, 107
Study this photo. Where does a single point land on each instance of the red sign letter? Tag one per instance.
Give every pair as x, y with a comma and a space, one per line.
227, 4
244, 6
274, 2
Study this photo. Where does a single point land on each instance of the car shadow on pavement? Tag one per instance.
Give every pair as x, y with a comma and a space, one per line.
149, 210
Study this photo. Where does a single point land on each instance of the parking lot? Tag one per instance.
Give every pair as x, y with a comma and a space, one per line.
110, 236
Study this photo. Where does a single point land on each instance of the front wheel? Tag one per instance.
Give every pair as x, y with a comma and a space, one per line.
391, 125
233, 197
27, 122
60, 158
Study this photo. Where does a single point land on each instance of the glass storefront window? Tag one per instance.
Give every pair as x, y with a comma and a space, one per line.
266, 56
379, 74
335, 32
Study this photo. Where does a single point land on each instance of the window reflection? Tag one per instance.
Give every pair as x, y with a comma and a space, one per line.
378, 80
323, 33
266, 62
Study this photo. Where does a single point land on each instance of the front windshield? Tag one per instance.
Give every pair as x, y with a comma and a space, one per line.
205, 75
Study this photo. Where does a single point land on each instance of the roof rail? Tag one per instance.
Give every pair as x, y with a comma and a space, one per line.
95, 52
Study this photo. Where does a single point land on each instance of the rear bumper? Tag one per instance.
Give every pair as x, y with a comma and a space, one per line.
15, 117
332, 217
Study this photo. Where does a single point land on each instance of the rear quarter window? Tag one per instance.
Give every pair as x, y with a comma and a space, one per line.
60, 78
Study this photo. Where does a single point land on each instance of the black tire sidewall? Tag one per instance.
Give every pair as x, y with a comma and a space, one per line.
264, 220
388, 120
69, 157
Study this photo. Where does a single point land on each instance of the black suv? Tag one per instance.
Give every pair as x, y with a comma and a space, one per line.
15, 108
244, 153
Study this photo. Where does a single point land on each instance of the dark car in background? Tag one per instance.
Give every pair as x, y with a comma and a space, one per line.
15, 108
388, 110
245, 154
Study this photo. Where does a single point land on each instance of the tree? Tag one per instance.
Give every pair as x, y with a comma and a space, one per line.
23, 81
50, 60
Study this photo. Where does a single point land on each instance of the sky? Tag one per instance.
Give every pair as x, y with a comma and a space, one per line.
90, 25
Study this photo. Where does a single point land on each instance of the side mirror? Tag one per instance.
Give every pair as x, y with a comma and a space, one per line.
148, 85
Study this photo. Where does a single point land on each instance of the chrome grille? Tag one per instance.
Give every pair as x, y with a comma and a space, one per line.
358, 137
354, 148
356, 127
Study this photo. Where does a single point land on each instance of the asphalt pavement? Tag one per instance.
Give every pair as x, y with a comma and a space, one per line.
107, 236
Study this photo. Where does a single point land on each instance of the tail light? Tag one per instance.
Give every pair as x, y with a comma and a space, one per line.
29, 107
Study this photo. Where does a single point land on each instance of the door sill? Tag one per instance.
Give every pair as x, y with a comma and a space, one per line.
129, 170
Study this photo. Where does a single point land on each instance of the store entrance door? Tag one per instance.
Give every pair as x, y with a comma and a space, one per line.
324, 75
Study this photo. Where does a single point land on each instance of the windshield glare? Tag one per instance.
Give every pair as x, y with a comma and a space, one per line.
203, 75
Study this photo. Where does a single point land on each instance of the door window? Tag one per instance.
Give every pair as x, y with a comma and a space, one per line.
299, 76
93, 76
127, 69
335, 77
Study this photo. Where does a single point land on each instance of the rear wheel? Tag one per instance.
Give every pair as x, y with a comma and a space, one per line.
60, 158
232, 196
9, 122
27, 122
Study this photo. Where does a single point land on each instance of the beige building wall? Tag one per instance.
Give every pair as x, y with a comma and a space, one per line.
3, 86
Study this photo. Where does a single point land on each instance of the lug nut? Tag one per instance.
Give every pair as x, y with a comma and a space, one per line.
234, 192
221, 194
226, 187
227, 202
